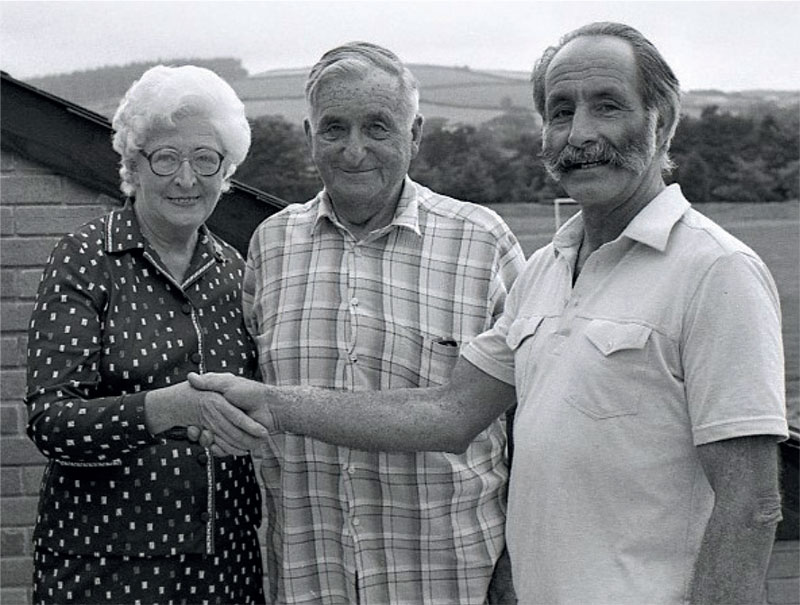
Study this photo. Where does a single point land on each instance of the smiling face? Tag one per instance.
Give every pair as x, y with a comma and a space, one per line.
363, 137
175, 206
599, 141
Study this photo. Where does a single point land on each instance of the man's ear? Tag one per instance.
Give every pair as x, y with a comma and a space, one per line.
416, 134
664, 125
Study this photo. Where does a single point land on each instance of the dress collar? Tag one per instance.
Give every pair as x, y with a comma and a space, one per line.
123, 233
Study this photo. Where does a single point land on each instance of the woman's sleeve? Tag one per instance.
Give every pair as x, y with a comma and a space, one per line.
72, 416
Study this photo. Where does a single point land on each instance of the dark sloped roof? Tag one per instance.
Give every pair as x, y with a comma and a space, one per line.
76, 142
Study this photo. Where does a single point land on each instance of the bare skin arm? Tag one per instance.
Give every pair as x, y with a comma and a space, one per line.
445, 418
732, 563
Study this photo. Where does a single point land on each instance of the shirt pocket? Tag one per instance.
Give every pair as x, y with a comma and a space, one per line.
613, 363
408, 358
438, 357
522, 329
520, 340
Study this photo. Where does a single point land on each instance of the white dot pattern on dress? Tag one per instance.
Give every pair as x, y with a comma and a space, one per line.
108, 325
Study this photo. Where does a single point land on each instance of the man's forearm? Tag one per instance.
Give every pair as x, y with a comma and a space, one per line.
733, 559
445, 418
394, 420
737, 543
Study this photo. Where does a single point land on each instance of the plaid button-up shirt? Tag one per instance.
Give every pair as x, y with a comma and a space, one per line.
389, 311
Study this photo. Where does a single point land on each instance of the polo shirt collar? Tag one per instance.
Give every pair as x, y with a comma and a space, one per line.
569, 236
651, 226
406, 215
123, 234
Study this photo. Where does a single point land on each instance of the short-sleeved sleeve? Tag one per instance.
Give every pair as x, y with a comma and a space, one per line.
489, 351
732, 353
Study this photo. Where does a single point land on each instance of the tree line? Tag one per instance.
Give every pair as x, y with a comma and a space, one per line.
719, 156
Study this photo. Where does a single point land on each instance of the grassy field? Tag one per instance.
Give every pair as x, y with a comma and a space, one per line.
771, 229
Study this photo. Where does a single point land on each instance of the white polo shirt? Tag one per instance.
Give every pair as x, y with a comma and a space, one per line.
670, 338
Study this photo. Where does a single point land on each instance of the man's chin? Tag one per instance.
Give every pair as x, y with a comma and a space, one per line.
354, 194
580, 183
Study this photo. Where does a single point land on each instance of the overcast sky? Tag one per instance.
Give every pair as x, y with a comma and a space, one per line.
723, 45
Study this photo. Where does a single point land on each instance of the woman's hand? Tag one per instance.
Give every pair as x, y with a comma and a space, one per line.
206, 439
181, 405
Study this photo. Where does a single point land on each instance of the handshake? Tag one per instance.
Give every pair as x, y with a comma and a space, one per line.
234, 413
228, 414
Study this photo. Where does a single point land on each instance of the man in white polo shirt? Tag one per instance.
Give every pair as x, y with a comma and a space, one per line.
644, 346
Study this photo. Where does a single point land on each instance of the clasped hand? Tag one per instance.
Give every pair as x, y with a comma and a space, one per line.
237, 425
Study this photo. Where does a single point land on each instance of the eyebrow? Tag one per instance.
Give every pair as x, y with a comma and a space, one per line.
605, 92
610, 91
380, 116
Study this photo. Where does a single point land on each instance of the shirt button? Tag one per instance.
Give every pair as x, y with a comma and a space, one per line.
351, 470
354, 358
354, 301
196, 357
202, 458
186, 308
205, 517
356, 522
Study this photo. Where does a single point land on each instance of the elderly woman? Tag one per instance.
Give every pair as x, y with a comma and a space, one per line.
130, 509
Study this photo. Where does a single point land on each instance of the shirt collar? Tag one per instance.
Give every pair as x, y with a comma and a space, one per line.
406, 214
651, 226
569, 236
123, 234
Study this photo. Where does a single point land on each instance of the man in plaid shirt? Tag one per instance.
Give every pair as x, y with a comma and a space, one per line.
376, 283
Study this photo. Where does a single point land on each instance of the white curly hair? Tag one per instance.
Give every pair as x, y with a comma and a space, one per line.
164, 95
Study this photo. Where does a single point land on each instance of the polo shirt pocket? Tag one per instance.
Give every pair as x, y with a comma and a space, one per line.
522, 329
520, 339
613, 362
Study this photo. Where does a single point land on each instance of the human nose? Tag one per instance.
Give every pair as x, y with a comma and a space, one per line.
582, 128
185, 175
355, 147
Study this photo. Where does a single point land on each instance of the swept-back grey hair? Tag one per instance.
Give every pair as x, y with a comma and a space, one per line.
360, 58
164, 95
658, 86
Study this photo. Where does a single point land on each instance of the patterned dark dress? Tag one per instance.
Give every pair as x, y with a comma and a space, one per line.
126, 516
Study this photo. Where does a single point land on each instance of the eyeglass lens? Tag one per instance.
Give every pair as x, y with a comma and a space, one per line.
204, 162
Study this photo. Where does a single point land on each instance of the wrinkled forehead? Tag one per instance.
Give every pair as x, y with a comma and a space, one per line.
375, 91
591, 62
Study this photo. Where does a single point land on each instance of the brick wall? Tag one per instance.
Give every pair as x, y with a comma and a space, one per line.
36, 208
